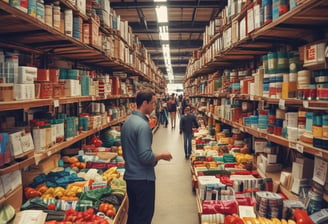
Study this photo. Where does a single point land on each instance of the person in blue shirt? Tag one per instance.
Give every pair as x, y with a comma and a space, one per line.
140, 160
188, 121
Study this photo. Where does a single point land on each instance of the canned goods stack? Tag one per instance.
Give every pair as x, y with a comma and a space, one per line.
290, 81
266, 77
234, 82
77, 27
271, 120
48, 14
68, 22
321, 80
40, 10
279, 7
266, 11
263, 120
269, 204
278, 123
319, 131
304, 85
301, 123
291, 124
276, 67
56, 17
313, 201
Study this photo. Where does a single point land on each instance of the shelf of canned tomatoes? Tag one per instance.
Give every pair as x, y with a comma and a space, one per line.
230, 189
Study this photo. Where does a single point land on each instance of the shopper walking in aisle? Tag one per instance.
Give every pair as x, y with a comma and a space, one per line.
185, 103
140, 160
180, 98
172, 108
164, 114
187, 122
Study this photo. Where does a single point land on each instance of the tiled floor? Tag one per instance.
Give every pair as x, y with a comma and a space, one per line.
175, 201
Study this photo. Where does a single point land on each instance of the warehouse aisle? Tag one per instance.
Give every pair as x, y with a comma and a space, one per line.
175, 201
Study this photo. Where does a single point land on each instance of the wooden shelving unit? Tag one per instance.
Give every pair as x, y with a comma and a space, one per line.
27, 104
294, 27
299, 146
24, 32
35, 158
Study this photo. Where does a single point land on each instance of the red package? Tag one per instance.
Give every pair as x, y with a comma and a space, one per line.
246, 201
222, 207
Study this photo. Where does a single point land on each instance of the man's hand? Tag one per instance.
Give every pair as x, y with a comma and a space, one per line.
164, 156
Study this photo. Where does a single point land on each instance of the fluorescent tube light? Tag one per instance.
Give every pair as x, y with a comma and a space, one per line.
161, 13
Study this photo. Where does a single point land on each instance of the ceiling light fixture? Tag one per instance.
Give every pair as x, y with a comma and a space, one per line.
162, 20
161, 12
163, 33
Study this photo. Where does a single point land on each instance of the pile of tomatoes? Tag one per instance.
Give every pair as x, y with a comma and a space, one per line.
108, 209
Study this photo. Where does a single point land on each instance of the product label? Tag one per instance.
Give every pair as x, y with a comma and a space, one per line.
310, 52
282, 104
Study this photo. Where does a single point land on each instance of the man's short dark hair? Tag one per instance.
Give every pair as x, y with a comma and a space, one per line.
187, 109
144, 95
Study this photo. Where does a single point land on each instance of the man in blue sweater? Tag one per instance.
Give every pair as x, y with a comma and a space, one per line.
187, 122
140, 160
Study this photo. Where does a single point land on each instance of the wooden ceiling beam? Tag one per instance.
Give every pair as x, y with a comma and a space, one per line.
174, 27
181, 44
156, 50
173, 58
175, 4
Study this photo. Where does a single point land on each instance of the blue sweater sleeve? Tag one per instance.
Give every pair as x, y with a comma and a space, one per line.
144, 142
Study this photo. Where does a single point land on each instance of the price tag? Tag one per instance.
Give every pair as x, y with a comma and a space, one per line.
319, 154
37, 158
251, 97
216, 94
306, 104
292, 145
320, 170
282, 104
242, 129
299, 147
49, 153
56, 103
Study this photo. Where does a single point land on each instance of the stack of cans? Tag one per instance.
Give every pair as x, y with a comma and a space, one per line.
269, 204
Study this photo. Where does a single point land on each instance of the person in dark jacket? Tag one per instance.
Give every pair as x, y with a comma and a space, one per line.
187, 122
185, 103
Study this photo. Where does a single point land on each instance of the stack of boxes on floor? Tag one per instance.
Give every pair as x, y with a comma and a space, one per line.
227, 182
220, 179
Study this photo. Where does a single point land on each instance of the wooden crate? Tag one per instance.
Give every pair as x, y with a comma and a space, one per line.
121, 216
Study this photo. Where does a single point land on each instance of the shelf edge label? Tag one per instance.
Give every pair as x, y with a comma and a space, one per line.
282, 104
56, 103
299, 148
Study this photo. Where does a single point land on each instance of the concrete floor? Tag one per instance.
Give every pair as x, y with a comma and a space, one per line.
175, 201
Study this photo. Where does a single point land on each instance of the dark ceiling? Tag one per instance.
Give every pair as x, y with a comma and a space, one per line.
187, 22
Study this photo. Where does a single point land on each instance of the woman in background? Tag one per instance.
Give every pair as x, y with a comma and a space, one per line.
172, 108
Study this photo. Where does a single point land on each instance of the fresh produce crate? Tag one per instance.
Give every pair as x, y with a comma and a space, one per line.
121, 216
